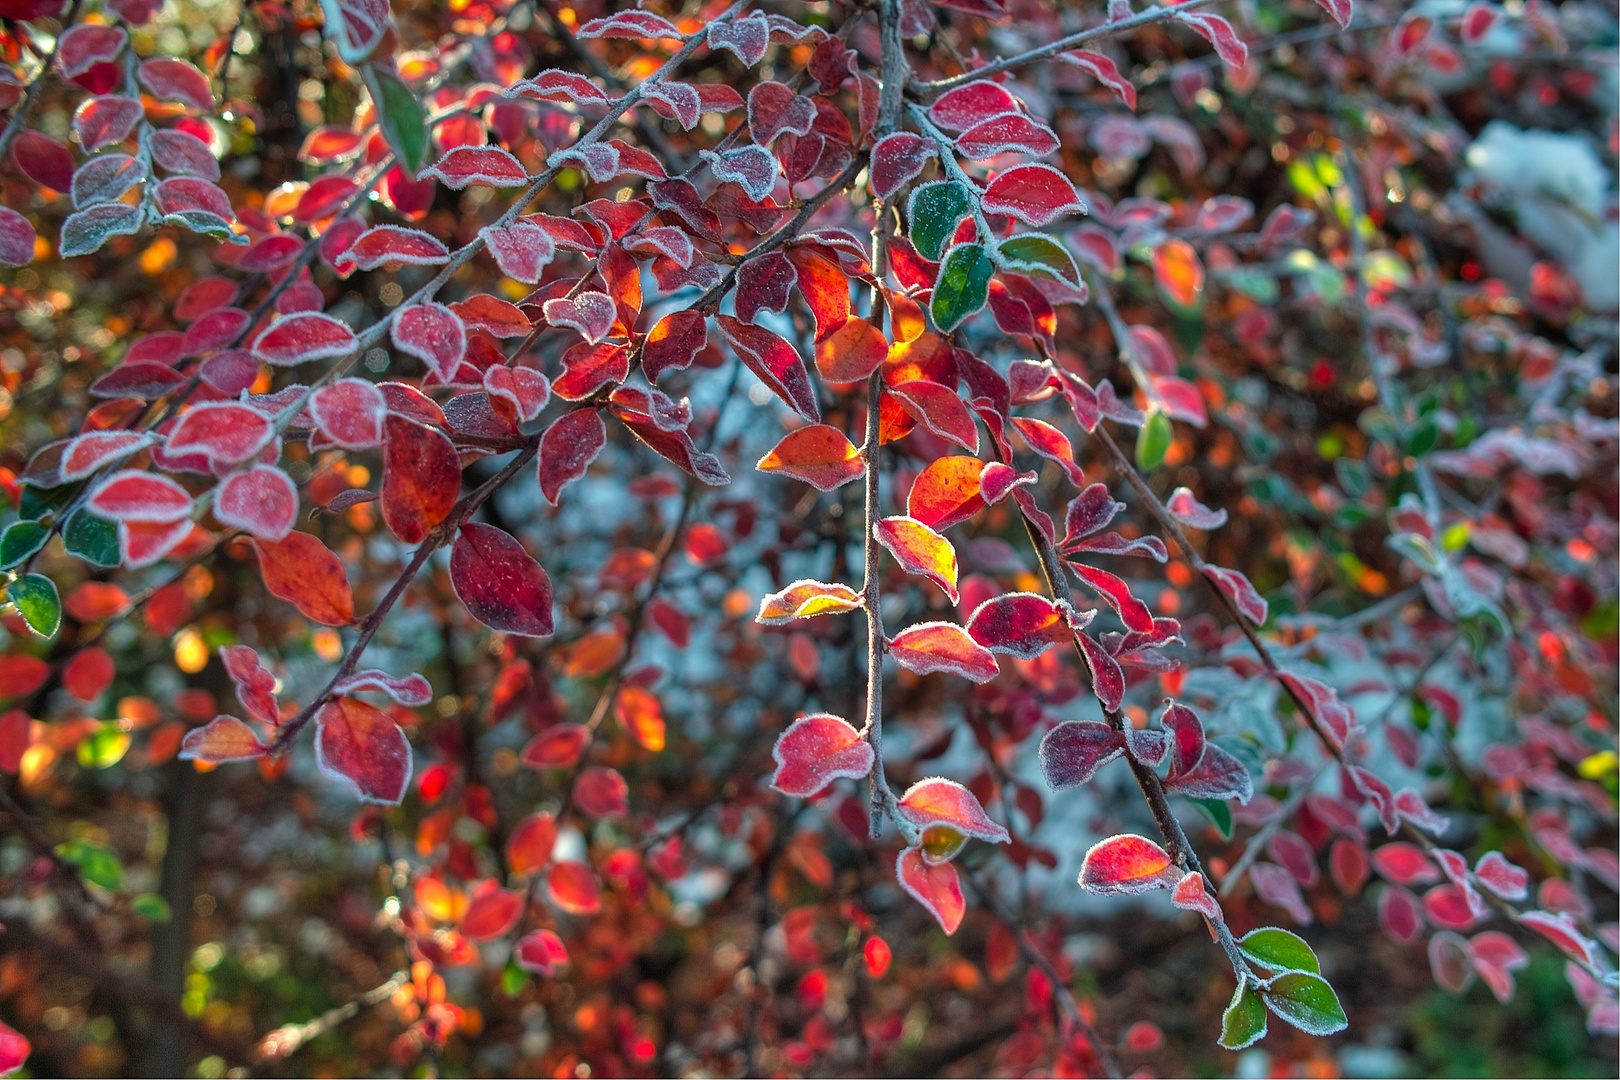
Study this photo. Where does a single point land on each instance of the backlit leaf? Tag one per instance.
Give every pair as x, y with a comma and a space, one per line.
363, 746
816, 750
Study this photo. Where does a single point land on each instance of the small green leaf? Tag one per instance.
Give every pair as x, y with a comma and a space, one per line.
1307, 1002
97, 864
1218, 813
105, 747
93, 539
205, 223
936, 209
35, 502
513, 979
1153, 441
1244, 1021
1279, 950
1035, 253
400, 115
151, 907
37, 602
20, 540
963, 286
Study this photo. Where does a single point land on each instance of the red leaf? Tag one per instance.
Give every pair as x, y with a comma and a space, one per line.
434, 334
574, 889
1501, 877
1127, 864
942, 646
15, 734
486, 166
1342, 11
1237, 589
21, 674
1347, 860
522, 249
309, 335
88, 673
774, 108
88, 453
559, 86
851, 352
673, 342
763, 285
946, 492
567, 449
541, 952
530, 845
920, 550
1186, 508
1072, 752
557, 747
1335, 717
753, 168
384, 245
100, 121
413, 690
1117, 595
1106, 72
146, 380
816, 750
136, 496
591, 313
262, 501
935, 886
222, 433
819, 455
44, 161
350, 413
1107, 678
806, 599
1276, 886
1405, 864
363, 746
1496, 956
776, 363
877, 955
964, 106
176, 80
1193, 895
602, 792
1020, 624
1034, 193
14, 1049
301, 570
1047, 441
897, 159
1561, 931
500, 583
1219, 33
1011, 132
222, 739
940, 410
937, 801
491, 912
421, 478
142, 543
630, 24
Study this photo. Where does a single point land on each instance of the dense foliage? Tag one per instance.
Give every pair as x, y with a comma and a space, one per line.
784, 538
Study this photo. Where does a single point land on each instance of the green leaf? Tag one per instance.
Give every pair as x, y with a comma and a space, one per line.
1036, 253
936, 209
20, 540
1307, 1002
1153, 441
93, 539
1278, 950
151, 907
37, 602
1218, 813
205, 223
963, 286
97, 864
513, 979
35, 502
105, 747
1244, 1021
400, 115
85, 231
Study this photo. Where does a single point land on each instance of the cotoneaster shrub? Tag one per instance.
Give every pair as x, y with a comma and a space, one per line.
559, 538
